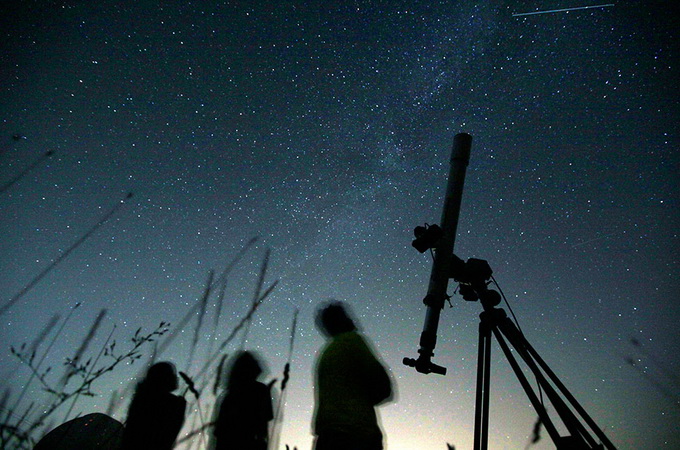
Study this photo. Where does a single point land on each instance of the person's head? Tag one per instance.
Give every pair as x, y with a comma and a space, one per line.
333, 319
244, 367
161, 377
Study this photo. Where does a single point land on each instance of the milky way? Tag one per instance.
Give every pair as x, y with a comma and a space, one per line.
326, 132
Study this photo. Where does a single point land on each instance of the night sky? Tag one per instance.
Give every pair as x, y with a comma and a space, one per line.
325, 129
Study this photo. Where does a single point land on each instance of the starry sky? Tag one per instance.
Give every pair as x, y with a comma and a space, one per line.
325, 130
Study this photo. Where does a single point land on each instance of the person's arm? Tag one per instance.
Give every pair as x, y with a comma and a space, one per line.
381, 383
378, 381
177, 419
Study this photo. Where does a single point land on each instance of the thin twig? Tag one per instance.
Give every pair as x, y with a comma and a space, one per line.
73, 363
61, 395
92, 366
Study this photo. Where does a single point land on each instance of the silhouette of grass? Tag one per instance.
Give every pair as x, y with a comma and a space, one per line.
113, 402
4, 308
25, 172
218, 374
91, 369
42, 359
22, 428
167, 342
4, 399
203, 304
217, 315
73, 363
259, 296
278, 413
19, 435
33, 348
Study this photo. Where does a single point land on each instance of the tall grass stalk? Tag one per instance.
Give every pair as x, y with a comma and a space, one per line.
203, 304
239, 326
61, 257
25, 172
217, 316
258, 289
3, 405
47, 329
42, 359
73, 363
91, 369
167, 342
25, 436
218, 374
278, 413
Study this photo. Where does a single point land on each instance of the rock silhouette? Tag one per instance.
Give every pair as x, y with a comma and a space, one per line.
92, 431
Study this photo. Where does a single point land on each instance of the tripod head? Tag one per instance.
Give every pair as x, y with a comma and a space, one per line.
473, 279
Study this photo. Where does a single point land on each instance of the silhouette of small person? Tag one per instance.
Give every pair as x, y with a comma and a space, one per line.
349, 383
155, 416
244, 414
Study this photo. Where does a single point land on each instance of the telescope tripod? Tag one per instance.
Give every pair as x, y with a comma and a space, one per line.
473, 277
495, 321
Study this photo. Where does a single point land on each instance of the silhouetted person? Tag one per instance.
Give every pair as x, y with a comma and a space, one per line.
156, 415
244, 415
349, 383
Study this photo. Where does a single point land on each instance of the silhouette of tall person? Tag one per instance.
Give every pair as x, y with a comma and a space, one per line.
155, 416
350, 382
243, 418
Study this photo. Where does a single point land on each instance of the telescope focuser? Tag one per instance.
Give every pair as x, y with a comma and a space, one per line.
424, 365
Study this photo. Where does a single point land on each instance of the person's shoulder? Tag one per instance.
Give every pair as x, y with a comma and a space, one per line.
348, 336
177, 401
261, 387
354, 338
350, 341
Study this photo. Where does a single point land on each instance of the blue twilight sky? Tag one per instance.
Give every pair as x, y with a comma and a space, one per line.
325, 130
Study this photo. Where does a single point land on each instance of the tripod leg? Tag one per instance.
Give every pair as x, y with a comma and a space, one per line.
482, 394
577, 406
578, 431
538, 406
487, 381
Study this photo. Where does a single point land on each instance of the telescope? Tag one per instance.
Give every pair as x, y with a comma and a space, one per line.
473, 277
440, 239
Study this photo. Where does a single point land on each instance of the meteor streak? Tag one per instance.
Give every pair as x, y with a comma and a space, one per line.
562, 10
